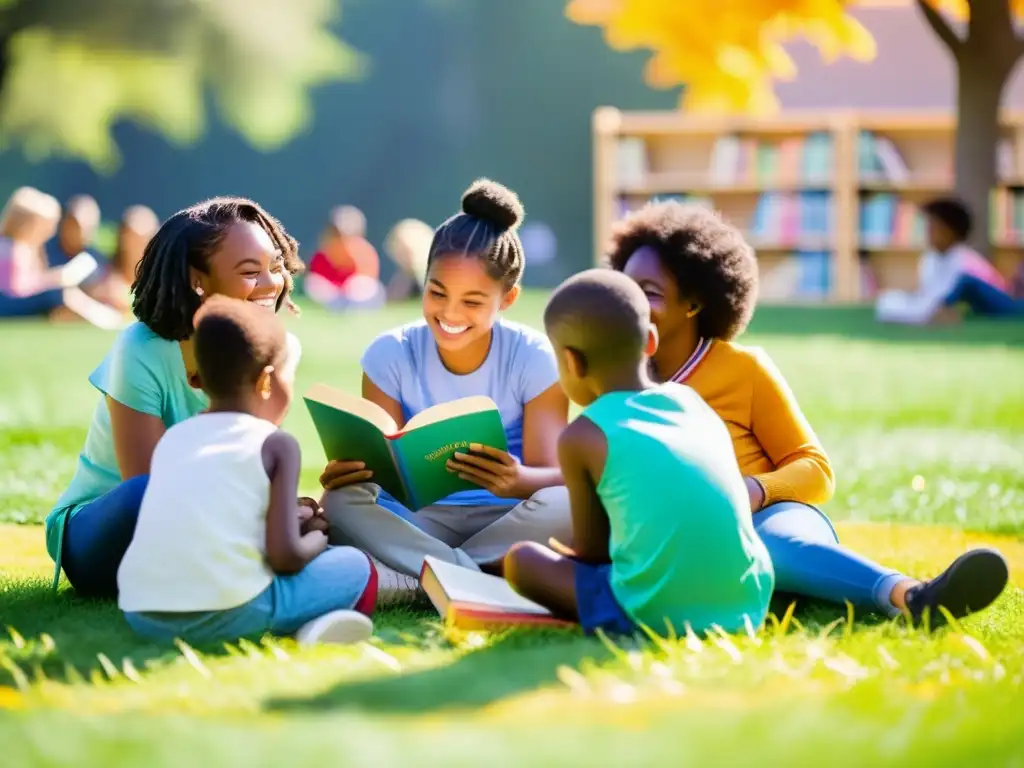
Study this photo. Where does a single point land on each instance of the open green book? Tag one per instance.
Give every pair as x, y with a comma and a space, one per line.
408, 463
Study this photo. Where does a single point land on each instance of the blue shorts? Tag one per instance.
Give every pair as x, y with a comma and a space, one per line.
596, 603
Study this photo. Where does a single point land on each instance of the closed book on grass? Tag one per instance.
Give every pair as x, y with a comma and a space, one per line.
472, 600
409, 463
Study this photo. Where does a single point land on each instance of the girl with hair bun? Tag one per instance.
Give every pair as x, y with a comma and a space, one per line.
461, 347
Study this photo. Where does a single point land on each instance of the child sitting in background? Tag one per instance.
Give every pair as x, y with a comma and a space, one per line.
79, 222
219, 552
408, 245
345, 272
661, 525
138, 225
950, 273
28, 287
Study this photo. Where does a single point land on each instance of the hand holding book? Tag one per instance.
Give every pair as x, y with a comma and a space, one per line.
498, 472
410, 463
339, 474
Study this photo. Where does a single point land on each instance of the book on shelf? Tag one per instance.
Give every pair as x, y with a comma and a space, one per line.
798, 275
630, 161
408, 463
473, 600
799, 219
886, 221
792, 161
1006, 165
1006, 214
879, 160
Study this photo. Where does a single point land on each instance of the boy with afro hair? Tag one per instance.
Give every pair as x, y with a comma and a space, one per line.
700, 277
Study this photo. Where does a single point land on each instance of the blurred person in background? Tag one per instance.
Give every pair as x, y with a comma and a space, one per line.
951, 275
79, 223
30, 288
138, 225
345, 272
407, 245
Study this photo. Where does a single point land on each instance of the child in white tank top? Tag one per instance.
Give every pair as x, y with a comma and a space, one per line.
222, 549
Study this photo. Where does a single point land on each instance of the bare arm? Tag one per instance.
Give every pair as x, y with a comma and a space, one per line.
135, 437
288, 551
375, 394
582, 451
544, 419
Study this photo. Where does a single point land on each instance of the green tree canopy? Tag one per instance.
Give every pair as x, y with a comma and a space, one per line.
70, 70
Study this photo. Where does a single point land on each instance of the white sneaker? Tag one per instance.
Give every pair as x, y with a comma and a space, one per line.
393, 587
336, 627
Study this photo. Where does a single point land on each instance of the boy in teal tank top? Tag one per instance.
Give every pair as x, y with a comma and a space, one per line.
662, 532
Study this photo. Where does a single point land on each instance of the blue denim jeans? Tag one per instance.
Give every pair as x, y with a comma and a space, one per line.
36, 305
97, 536
810, 561
333, 581
984, 299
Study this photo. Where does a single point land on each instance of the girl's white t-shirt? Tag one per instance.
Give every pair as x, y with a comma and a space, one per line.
200, 541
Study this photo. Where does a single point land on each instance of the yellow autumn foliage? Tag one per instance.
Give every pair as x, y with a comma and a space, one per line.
729, 53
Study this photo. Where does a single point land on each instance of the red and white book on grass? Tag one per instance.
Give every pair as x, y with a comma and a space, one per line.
472, 600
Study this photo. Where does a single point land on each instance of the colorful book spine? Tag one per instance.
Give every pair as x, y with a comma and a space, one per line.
877, 220
792, 220
793, 161
878, 159
815, 271
1006, 216
888, 222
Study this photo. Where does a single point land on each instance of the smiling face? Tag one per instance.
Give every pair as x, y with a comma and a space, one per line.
461, 301
246, 265
670, 311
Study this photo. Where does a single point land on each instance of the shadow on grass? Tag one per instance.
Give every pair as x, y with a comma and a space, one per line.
88, 636
513, 664
859, 323
81, 630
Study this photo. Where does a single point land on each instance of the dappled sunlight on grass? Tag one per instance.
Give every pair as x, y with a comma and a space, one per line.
413, 667
926, 468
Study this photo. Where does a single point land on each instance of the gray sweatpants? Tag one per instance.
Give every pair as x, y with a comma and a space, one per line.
463, 535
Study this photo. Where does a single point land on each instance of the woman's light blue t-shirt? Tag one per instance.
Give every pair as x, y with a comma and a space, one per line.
406, 366
145, 373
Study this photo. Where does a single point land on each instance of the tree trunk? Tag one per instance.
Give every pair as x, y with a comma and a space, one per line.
985, 57
979, 92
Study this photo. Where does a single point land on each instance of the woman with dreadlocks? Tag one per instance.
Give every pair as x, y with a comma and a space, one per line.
148, 383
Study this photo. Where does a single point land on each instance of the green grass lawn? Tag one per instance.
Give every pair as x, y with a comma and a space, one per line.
890, 405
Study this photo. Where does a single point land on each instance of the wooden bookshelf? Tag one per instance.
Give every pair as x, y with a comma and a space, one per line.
828, 199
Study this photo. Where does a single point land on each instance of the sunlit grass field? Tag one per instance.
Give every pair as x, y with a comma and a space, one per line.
925, 429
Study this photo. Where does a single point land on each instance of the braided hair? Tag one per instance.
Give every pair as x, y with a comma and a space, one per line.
485, 229
164, 298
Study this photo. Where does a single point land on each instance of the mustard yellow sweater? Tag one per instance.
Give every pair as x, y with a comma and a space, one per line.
772, 439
